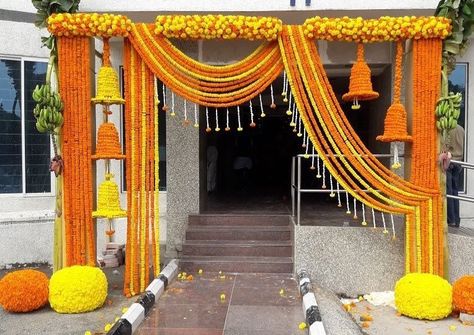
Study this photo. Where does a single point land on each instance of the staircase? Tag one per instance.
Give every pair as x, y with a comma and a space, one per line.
238, 243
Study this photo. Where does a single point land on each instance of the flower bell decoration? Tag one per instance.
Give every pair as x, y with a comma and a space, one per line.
108, 203
108, 92
360, 85
108, 145
395, 127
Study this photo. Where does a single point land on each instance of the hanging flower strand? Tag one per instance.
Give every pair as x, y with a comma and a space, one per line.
273, 105
373, 218
385, 231
186, 121
208, 128
252, 123
348, 211
393, 226
262, 112
217, 122
324, 177
288, 111
196, 122
293, 116
318, 162
312, 159
283, 91
227, 127
331, 185
364, 221
355, 209
165, 106
238, 119
173, 113
339, 203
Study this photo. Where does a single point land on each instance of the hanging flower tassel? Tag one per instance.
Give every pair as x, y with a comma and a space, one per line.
331, 185
355, 209
262, 112
306, 146
318, 161
239, 128
364, 221
196, 121
217, 122
393, 227
283, 91
395, 124
173, 113
347, 203
272, 105
165, 106
324, 177
360, 85
396, 159
312, 159
252, 123
297, 117
385, 231
303, 144
373, 218
299, 134
338, 191
208, 128
186, 122
293, 116
227, 127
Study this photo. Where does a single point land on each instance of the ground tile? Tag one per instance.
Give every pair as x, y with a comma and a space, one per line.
266, 295
187, 316
245, 319
262, 279
178, 331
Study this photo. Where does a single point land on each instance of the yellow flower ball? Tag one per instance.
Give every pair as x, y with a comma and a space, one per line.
423, 296
77, 289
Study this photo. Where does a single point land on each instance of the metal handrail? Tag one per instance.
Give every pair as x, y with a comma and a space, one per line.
297, 190
469, 166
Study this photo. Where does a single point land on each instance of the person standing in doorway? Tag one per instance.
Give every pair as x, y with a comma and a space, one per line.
455, 143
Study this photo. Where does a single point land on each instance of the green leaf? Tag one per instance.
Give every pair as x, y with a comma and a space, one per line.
451, 47
456, 4
466, 10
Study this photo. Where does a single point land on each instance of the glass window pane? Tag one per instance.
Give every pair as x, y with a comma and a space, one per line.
10, 126
38, 154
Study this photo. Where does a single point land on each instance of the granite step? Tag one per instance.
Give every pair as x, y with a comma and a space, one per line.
237, 248
238, 219
253, 233
236, 264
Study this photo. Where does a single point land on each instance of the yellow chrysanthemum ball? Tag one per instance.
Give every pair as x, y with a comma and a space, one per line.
423, 296
77, 289
23, 291
463, 294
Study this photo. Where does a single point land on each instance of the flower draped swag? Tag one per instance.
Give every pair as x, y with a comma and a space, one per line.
149, 54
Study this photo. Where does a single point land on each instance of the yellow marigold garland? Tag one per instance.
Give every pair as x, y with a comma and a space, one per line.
218, 26
108, 203
86, 24
385, 28
23, 291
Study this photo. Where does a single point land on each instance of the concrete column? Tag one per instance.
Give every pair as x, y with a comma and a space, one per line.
182, 167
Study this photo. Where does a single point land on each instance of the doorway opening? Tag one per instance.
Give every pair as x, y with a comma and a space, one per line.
249, 171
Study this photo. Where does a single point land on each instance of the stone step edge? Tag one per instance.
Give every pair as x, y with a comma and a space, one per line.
136, 313
237, 259
238, 243
237, 227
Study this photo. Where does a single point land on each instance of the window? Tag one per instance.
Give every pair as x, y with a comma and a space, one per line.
458, 82
24, 152
161, 136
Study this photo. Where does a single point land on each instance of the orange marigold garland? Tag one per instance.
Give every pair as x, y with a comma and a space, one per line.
24, 291
74, 86
360, 85
108, 145
463, 294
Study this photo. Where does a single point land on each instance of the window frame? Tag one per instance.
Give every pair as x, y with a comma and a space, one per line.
24, 194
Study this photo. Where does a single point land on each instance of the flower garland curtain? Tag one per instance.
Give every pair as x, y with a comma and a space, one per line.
212, 86
141, 122
75, 88
358, 170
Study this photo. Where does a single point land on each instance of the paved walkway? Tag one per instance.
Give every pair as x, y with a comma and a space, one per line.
261, 304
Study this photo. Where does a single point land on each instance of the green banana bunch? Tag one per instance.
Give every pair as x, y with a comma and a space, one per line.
48, 109
448, 110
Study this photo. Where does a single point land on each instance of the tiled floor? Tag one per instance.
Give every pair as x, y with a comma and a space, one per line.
254, 304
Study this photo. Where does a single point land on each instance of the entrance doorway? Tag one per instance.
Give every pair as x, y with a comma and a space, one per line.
249, 171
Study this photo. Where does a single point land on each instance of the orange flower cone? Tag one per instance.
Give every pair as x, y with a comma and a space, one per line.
108, 144
395, 125
360, 85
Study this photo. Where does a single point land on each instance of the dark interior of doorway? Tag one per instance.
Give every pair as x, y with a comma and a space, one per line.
267, 150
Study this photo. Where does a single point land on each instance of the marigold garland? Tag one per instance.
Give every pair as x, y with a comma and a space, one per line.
23, 291
74, 86
108, 201
385, 28
463, 294
86, 24
395, 125
218, 26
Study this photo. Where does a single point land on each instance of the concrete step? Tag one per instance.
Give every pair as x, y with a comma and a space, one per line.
253, 233
237, 248
236, 264
239, 219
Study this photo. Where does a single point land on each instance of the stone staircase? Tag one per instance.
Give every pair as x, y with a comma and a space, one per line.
238, 243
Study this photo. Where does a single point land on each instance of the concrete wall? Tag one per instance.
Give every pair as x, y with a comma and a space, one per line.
355, 261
